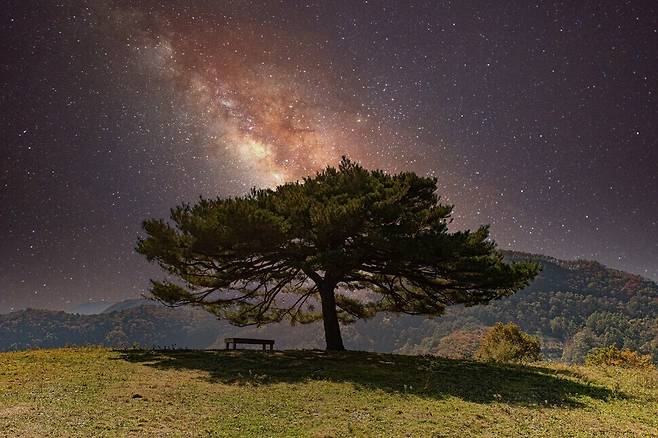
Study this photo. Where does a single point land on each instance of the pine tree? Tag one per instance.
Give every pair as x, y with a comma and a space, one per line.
354, 241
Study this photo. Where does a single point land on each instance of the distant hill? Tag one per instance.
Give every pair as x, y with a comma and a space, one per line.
573, 306
91, 308
148, 326
98, 307
130, 304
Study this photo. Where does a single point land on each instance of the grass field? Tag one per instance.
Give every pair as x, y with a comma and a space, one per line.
101, 392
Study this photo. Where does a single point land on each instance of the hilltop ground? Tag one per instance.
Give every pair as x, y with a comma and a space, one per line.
102, 392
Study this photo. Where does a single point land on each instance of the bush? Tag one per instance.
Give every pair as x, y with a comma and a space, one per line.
460, 344
612, 356
508, 343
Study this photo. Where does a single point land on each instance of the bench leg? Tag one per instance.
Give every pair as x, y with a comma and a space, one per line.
227, 345
271, 347
263, 347
235, 344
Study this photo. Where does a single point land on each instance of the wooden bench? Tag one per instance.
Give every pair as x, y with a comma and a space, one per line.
236, 341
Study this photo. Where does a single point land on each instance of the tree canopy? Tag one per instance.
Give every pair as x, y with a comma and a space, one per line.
351, 240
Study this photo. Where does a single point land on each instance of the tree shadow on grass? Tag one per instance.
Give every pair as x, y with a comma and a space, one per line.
424, 376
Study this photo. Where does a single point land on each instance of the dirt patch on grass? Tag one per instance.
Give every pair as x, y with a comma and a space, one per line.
15, 411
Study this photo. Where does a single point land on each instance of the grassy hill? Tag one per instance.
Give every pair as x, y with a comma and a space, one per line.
102, 392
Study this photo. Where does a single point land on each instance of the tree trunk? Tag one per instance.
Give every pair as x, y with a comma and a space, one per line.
330, 318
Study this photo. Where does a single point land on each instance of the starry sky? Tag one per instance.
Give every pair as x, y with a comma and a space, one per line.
537, 117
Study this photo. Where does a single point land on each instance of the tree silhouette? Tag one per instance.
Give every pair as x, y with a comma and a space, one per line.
355, 241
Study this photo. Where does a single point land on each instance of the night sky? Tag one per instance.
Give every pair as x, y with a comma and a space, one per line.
536, 117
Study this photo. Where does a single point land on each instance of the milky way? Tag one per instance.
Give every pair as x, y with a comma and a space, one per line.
538, 118
269, 116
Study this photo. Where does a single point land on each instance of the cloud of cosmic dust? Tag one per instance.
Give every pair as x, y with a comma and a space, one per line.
269, 117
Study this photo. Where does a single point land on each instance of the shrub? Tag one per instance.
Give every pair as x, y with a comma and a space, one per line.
612, 356
508, 343
460, 344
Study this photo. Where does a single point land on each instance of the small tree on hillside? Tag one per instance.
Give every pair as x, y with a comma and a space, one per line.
355, 241
612, 356
508, 343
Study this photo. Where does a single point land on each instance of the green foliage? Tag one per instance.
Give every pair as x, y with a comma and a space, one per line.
604, 328
612, 356
460, 344
382, 240
573, 306
146, 325
507, 343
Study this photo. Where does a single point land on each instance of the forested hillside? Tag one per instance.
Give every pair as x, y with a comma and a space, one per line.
572, 306
148, 325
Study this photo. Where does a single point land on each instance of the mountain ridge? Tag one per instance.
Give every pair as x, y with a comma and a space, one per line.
573, 306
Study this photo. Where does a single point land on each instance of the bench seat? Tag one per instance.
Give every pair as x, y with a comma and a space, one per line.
236, 341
